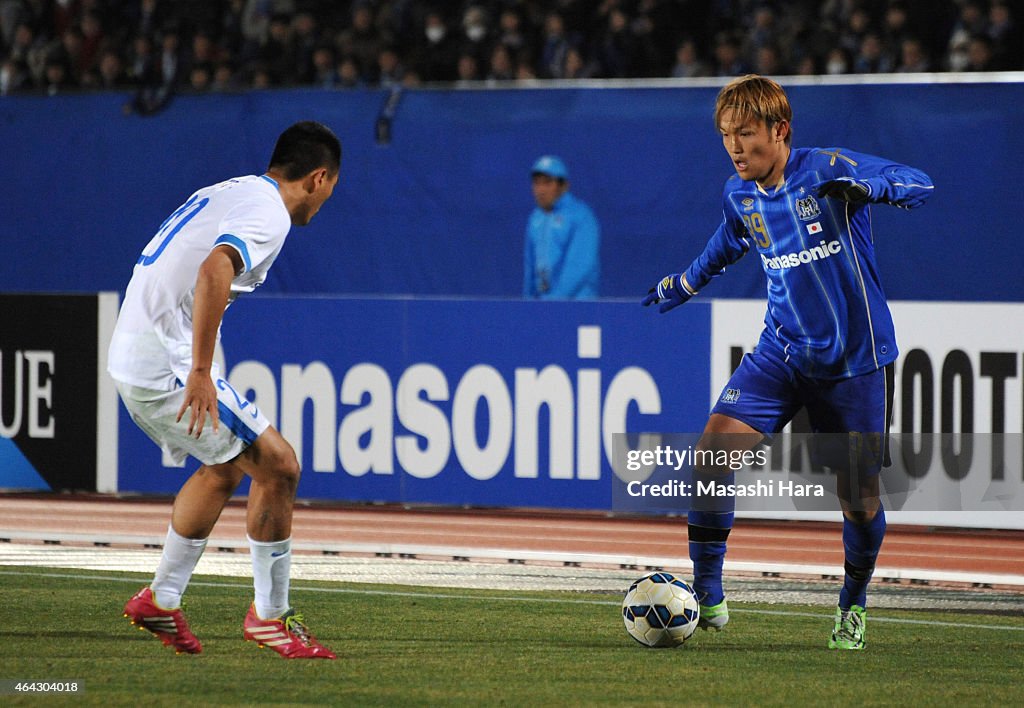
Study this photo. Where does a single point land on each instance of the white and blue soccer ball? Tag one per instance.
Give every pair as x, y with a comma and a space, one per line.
660, 610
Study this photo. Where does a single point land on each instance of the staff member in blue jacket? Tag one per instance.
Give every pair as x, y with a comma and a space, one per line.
563, 239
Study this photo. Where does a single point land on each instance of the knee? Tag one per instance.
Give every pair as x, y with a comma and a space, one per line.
222, 478
272, 461
285, 468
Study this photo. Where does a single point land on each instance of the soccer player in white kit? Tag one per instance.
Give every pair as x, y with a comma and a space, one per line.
221, 242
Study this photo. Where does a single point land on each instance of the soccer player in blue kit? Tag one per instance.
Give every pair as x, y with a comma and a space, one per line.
828, 344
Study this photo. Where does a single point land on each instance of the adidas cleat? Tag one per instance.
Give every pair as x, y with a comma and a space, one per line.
850, 628
169, 626
287, 635
714, 616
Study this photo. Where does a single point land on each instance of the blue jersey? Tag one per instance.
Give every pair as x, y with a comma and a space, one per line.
561, 258
827, 315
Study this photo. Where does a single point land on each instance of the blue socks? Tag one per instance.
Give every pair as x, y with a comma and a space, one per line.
708, 531
861, 544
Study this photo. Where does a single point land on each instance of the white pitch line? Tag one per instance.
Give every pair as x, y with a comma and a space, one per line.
506, 598
413, 550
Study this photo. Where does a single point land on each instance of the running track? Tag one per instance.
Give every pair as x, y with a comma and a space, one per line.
798, 549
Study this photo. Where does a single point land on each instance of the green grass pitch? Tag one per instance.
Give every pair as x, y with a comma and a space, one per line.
417, 646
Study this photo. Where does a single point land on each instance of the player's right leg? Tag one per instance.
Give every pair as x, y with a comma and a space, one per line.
710, 519
759, 399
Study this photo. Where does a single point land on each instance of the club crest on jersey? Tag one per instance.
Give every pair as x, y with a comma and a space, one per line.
731, 395
807, 208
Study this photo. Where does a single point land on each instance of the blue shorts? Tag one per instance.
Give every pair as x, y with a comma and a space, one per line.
765, 393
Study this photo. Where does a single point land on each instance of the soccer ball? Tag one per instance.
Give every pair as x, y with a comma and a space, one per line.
660, 610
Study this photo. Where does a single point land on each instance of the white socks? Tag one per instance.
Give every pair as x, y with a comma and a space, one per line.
177, 562
271, 569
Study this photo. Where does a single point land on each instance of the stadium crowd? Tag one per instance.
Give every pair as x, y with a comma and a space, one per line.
164, 46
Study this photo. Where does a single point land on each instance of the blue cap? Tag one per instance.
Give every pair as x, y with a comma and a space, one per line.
551, 166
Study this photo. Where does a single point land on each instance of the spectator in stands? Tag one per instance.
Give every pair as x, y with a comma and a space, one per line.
12, 14
389, 68
552, 56
500, 67
277, 52
141, 65
852, 34
612, 38
563, 239
510, 31
111, 74
1006, 38
894, 32
348, 74
767, 61
524, 70
872, 58
435, 52
576, 67
807, 66
23, 40
68, 51
688, 64
411, 79
200, 77
92, 41
468, 70
55, 76
763, 32
306, 41
475, 38
224, 79
260, 79
324, 75
912, 57
170, 63
728, 61
980, 56
13, 76
363, 40
837, 62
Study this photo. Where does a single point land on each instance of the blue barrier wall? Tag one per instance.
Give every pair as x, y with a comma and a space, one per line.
485, 402
441, 210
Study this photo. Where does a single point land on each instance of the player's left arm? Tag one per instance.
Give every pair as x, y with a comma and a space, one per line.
861, 178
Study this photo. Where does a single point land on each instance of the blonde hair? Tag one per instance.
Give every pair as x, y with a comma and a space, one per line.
754, 97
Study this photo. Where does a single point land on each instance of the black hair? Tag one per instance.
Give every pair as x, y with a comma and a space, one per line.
304, 147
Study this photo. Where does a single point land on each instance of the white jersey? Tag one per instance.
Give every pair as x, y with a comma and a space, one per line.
152, 342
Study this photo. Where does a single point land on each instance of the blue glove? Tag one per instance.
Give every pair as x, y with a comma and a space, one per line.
669, 292
845, 188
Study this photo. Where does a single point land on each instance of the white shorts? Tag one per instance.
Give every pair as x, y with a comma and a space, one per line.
241, 422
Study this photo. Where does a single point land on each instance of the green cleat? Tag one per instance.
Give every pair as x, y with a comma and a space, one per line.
851, 626
714, 616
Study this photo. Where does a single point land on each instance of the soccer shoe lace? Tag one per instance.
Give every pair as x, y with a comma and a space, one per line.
287, 635
850, 628
169, 626
714, 616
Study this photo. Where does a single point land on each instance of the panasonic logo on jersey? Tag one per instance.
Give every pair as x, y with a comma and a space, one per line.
792, 260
